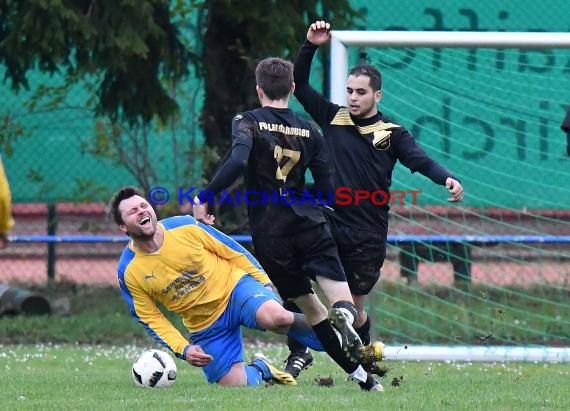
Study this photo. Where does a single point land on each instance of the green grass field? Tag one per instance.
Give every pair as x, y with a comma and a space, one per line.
81, 359
63, 377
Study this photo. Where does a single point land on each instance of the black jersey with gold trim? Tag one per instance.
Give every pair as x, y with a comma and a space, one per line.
364, 150
282, 147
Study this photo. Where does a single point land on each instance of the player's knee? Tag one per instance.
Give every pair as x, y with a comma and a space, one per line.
275, 318
280, 321
235, 376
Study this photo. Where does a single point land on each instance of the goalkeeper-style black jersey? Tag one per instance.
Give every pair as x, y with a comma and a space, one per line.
275, 147
364, 151
566, 122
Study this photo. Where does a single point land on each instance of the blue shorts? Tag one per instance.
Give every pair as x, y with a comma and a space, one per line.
223, 339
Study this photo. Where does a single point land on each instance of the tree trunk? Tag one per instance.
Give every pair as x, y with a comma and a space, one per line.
229, 78
230, 89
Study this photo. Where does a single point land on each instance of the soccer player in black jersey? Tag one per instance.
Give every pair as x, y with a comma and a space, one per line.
565, 126
274, 148
365, 147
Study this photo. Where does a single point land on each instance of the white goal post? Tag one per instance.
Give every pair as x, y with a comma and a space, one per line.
342, 39
339, 66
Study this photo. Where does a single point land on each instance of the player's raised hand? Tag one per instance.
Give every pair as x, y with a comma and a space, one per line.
455, 189
319, 32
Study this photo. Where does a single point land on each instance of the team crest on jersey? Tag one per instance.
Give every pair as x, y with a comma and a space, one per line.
238, 117
381, 140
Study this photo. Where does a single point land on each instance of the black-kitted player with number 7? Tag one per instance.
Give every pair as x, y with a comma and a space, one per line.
273, 147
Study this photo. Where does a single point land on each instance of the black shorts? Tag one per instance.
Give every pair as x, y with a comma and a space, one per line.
292, 261
361, 252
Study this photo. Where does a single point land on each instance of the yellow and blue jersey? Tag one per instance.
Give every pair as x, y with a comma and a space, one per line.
193, 275
6, 220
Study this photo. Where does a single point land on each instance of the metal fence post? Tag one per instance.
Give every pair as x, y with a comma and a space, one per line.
51, 230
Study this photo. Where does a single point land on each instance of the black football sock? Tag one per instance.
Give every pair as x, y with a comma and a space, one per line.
364, 331
329, 340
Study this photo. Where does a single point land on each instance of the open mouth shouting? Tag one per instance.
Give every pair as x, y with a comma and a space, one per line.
144, 221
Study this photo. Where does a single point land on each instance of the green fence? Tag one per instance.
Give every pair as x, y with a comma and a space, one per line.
503, 132
490, 116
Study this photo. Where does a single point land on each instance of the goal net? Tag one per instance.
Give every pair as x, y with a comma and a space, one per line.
488, 279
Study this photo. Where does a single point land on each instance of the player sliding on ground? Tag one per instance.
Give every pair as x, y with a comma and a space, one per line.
209, 280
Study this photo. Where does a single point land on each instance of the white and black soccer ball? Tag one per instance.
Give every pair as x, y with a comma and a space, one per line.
154, 369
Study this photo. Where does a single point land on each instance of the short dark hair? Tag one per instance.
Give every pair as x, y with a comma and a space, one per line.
275, 76
123, 194
370, 71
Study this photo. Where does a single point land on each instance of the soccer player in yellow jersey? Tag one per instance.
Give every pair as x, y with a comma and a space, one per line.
6, 220
211, 281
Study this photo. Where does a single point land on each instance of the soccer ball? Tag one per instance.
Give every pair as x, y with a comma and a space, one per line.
154, 369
